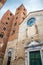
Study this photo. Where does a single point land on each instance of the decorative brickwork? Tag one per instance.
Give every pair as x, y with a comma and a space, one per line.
5, 28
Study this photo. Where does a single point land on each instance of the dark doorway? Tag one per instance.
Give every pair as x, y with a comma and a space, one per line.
9, 60
9, 56
35, 58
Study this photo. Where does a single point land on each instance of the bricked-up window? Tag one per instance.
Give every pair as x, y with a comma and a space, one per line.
13, 32
10, 14
15, 23
6, 22
24, 9
8, 18
4, 28
16, 17
23, 13
1, 35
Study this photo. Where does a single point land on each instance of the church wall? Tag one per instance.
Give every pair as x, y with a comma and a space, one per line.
25, 35
39, 23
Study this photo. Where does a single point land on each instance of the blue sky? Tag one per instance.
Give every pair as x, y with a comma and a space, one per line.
30, 5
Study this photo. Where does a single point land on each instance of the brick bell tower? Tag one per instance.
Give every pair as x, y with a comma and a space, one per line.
5, 28
20, 14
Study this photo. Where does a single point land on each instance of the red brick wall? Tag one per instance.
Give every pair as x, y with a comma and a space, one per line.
20, 14
14, 30
5, 28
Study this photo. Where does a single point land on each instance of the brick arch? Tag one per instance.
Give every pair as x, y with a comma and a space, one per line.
20, 58
20, 61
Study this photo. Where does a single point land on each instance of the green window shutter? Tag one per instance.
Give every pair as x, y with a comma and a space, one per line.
35, 58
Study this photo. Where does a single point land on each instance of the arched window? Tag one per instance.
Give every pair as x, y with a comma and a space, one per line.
10, 51
9, 56
1, 35
31, 21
